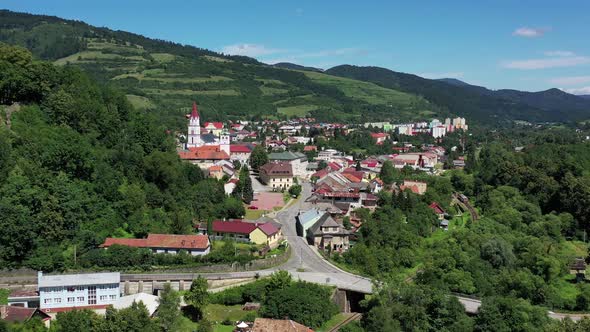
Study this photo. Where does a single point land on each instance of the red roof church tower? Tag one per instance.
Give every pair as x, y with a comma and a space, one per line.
194, 129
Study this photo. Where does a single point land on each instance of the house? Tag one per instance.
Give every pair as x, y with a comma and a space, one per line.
240, 152
229, 187
327, 154
204, 156
304, 220
215, 172
309, 148
417, 187
379, 137
415, 160
14, 314
438, 210
327, 234
376, 185
297, 160
214, 128
151, 302
66, 292
195, 245
278, 176
266, 233
276, 325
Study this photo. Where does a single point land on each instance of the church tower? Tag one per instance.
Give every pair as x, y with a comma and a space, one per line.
194, 129
224, 142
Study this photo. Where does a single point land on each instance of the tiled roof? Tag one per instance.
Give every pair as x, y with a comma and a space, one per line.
321, 173
334, 166
239, 149
20, 314
275, 325
216, 125
413, 188
379, 135
206, 152
351, 177
437, 208
286, 155
172, 241
310, 148
277, 169
234, 227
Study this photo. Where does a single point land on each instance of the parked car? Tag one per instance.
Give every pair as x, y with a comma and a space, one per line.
252, 207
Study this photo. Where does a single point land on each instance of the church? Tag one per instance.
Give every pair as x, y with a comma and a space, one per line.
205, 147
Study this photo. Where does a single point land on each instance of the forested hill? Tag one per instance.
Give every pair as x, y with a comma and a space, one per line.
78, 164
477, 102
164, 77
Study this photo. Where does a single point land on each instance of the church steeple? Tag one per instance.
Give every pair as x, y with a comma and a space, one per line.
194, 129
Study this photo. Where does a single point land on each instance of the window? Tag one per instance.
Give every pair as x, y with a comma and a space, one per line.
71, 299
103, 297
92, 295
57, 300
47, 301
80, 298
113, 297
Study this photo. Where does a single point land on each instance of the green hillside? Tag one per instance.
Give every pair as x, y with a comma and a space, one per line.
164, 78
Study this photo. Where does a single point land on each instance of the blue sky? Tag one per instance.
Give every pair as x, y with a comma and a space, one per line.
521, 44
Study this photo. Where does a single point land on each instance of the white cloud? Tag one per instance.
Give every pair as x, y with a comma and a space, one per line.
559, 53
578, 91
571, 80
442, 75
252, 50
546, 63
530, 32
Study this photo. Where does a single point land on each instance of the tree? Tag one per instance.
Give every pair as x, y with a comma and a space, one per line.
387, 173
295, 190
258, 157
278, 280
197, 296
168, 310
322, 164
75, 321
135, 318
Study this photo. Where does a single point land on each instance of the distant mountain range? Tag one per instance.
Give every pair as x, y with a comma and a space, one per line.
476, 101
163, 77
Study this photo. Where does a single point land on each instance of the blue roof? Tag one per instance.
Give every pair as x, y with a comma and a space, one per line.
309, 218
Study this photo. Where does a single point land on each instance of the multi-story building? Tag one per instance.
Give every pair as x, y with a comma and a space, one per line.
297, 160
77, 291
277, 175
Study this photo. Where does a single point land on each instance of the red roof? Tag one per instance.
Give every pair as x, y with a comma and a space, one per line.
234, 227
173, 241
352, 177
195, 112
379, 135
212, 152
437, 208
239, 149
310, 148
334, 166
413, 188
20, 314
321, 173
217, 125
268, 228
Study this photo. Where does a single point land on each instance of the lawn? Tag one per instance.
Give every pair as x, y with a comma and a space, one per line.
140, 102
254, 214
300, 110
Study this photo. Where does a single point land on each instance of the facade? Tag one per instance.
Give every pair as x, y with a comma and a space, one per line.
78, 291
297, 160
265, 233
439, 131
278, 176
240, 153
379, 137
195, 245
327, 234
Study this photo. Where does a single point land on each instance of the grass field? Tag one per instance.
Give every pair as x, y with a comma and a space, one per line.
140, 102
300, 110
369, 92
337, 319
188, 92
254, 214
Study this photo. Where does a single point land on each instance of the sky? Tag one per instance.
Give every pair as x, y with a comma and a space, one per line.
520, 44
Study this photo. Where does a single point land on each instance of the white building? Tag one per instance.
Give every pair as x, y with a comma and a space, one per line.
68, 291
439, 131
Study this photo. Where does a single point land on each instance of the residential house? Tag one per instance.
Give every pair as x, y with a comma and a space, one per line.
215, 172
229, 187
327, 234
14, 314
304, 220
240, 152
438, 210
376, 185
263, 233
328, 154
309, 148
415, 160
276, 325
66, 292
214, 128
196, 245
297, 160
278, 176
379, 137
